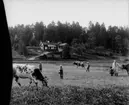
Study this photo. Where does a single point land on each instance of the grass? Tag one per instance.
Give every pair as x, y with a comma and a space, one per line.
70, 95
97, 86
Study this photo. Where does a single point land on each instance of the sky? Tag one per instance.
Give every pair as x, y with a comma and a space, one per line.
111, 12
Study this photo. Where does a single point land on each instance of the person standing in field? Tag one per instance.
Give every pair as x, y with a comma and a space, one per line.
61, 72
115, 66
40, 66
88, 67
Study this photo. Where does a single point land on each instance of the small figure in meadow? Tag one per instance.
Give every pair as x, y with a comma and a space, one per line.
115, 67
61, 72
40, 66
111, 71
88, 67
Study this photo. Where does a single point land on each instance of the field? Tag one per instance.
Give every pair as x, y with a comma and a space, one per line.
98, 77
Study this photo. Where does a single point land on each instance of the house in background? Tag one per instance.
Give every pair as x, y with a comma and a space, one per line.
52, 47
53, 50
61, 46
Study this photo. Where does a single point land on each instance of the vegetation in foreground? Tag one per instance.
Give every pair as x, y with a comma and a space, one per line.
70, 95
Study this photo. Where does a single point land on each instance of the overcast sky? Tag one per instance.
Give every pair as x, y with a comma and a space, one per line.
111, 12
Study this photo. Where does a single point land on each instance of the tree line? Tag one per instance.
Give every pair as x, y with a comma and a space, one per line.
80, 39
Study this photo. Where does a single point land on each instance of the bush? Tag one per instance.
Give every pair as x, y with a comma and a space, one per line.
70, 95
66, 52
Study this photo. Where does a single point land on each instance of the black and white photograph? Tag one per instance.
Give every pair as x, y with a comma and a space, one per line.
68, 52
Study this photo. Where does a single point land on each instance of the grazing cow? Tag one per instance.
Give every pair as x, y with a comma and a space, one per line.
82, 64
30, 72
21, 67
126, 67
38, 76
78, 63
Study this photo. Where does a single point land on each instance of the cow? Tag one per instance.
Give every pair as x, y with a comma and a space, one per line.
20, 67
78, 63
126, 67
28, 72
82, 64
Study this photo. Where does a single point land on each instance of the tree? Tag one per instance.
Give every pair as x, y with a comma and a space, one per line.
91, 40
102, 36
51, 32
66, 52
125, 46
39, 30
118, 43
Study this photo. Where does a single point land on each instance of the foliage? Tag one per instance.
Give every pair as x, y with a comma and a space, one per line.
66, 52
95, 35
70, 95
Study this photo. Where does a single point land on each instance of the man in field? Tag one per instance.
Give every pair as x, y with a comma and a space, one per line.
88, 67
40, 66
61, 72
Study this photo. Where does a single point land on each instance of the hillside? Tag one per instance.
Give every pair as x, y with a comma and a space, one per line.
16, 55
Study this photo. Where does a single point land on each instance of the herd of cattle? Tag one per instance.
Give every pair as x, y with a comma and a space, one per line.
34, 73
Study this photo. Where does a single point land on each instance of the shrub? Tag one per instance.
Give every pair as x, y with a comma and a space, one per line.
70, 95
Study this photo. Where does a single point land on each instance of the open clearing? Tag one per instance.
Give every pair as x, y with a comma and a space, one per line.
98, 75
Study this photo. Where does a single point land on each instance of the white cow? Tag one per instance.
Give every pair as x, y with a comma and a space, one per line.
28, 71
24, 68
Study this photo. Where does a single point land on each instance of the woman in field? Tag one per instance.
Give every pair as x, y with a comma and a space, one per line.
61, 72
88, 67
115, 67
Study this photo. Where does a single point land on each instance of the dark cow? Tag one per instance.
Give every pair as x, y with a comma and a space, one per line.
33, 75
78, 63
38, 76
126, 67
82, 64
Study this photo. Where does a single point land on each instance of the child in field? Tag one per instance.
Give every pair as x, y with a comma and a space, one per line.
61, 72
40, 66
88, 67
111, 71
